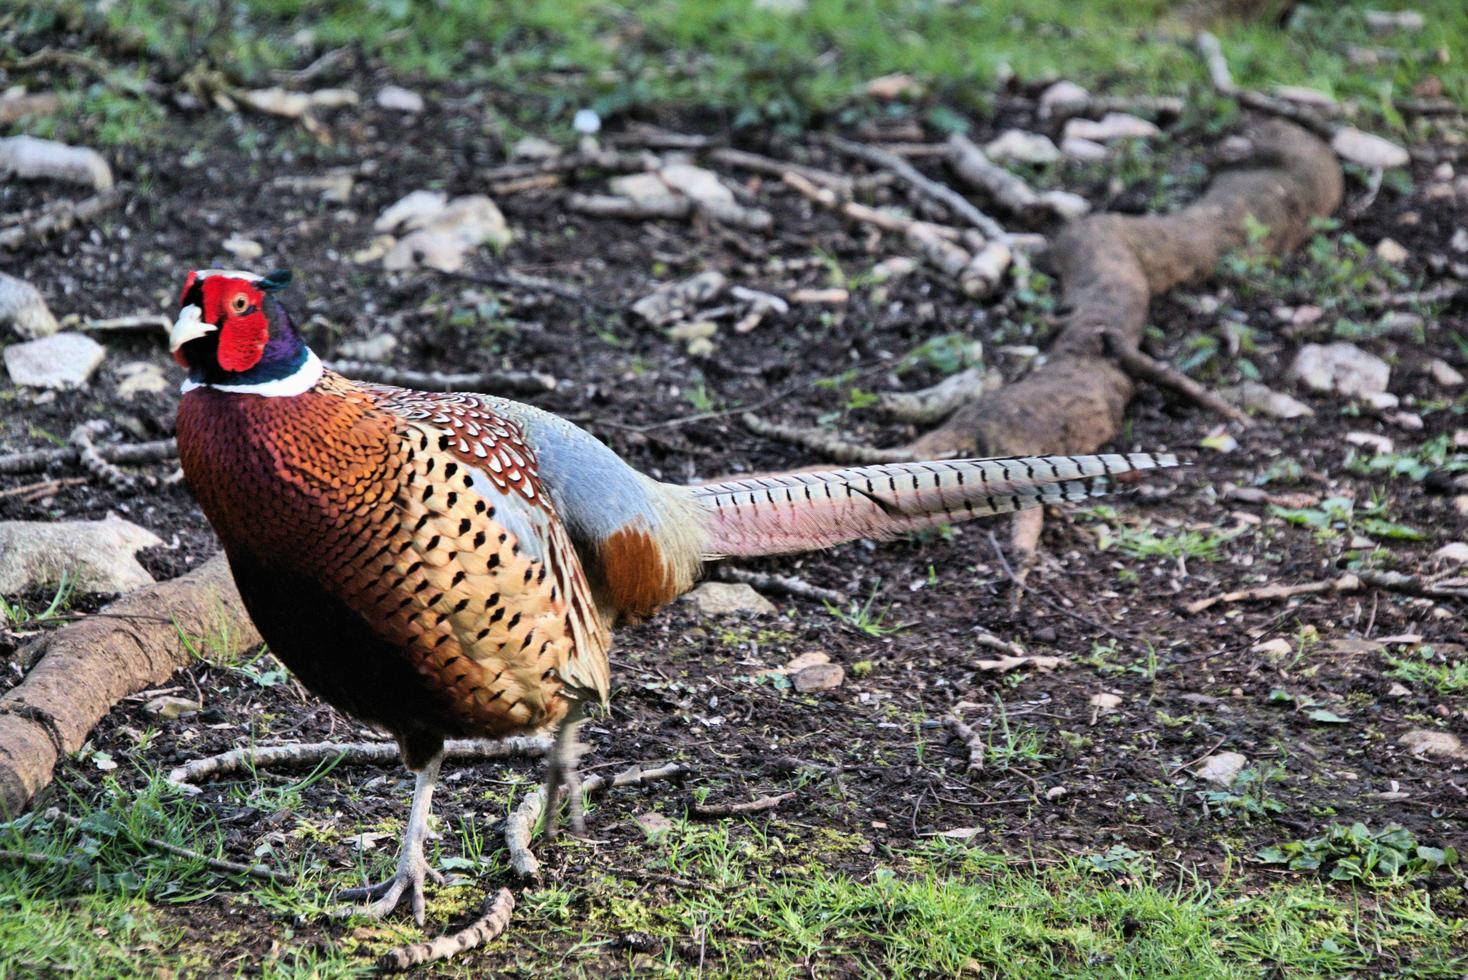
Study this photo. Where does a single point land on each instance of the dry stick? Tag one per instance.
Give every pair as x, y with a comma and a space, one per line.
91, 460
1412, 585
520, 823
955, 202
632, 209
780, 584
715, 811
828, 444
487, 927
893, 223
1144, 368
258, 871
140, 321
304, 755
60, 217
37, 460
1093, 105
779, 168
521, 382
32, 857
1009, 190
609, 160
972, 739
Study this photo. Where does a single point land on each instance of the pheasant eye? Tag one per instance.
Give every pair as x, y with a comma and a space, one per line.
239, 303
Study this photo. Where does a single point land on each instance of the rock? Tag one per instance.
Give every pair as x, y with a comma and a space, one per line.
441, 239
1260, 398
1059, 94
1401, 323
1459, 241
697, 183
1016, 144
1105, 701
24, 309
1391, 251
244, 249
1427, 742
1277, 647
1221, 768
1112, 126
1367, 150
140, 377
1444, 373
654, 823
1087, 151
1382, 401
1378, 444
586, 122
672, 301
534, 148
419, 206
1460, 504
804, 660
1387, 21
1312, 97
1398, 690
29, 158
169, 708
1455, 553
1340, 367
1064, 204
96, 555
640, 187
63, 360
726, 598
399, 99
378, 347
819, 677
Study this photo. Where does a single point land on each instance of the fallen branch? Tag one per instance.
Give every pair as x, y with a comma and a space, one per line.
716, 811
1009, 190
86, 667
884, 220
610, 161
37, 460
140, 321
29, 158
491, 924
91, 460
496, 382
684, 208
780, 585
970, 738
779, 168
1144, 368
954, 202
1161, 106
257, 871
59, 217
827, 444
308, 755
1412, 585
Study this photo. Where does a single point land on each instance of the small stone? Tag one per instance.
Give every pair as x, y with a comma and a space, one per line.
893, 268
140, 377
1389, 250
1427, 742
1382, 401
1059, 94
1277, 647
63, 360
1367, 150
169, 708
1410, 421
640, 187
1112, 126
654, 823
586, 122
1222, 768
1064, 204
1388, 21
1398, 690
1260, 398
1401, 323
894, 86
697, 183
1455, 553
24, 308
1105, 701
804, 660
1340, 367
1016, 144
1460, 504
97, 556
244, 249
1378, 444
534, 148
1056, 792
1459, 241
399, 99
727, 598
819, 677
1086, 151
378, 347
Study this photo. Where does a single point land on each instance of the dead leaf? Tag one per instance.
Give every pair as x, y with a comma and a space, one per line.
1005, 664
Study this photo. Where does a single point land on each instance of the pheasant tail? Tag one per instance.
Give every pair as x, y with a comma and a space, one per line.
770, 515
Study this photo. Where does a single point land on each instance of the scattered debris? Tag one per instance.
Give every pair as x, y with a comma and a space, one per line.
62, 360
1083, 150
93, 556
971, 739
170, 708
716, 811
729, 598
675, 301
243, 249
1391, 252
1341, 367
1003, 665
1455, 553
29, 158
494, 921
1008, 189
56, 218
24, 309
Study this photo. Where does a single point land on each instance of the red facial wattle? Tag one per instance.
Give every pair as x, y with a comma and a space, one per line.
236, 306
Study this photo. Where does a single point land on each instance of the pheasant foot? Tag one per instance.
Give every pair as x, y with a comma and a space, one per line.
413, 870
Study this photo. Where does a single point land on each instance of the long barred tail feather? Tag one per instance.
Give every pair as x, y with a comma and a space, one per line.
772, 515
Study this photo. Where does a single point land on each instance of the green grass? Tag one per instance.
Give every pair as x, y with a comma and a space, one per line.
1431, 670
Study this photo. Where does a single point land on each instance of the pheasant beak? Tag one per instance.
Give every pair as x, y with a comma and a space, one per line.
189, 326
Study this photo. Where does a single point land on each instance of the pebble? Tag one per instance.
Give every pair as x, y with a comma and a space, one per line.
1368, 150
24, 308
1087, 151
169, 707
1340, 367
63, 360
1061, 93
819, 677
1455, 553
1261, 398
1222, 768
727, 598
399, 99
1016, 144
1391, 251
1112, 126
1379, 444
1428, 742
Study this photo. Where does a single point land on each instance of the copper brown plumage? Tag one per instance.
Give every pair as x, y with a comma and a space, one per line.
450, 564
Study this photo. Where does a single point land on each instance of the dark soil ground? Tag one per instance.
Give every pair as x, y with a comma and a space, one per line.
867, 760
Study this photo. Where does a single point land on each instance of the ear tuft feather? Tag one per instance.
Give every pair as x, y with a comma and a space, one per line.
275, 281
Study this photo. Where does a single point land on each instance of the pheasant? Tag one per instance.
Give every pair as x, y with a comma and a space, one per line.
452, 564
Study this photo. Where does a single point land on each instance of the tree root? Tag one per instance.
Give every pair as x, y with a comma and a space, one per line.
1144, 368
971, 739
306, 755
39, 460
1412, 585
487, 927
520, 823
59, 218
92, 461
780, 585
940, 194
828, 444
936, 403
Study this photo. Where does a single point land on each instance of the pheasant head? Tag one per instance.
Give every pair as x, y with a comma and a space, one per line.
233, 334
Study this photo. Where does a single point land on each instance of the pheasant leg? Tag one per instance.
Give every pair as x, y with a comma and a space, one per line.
413, 870
562, 776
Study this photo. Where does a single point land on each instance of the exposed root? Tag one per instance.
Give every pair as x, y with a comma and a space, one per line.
1144, 368
91, 460
1009, 190
828, 444
514, 382
681, 208
487, 927
780, 585
310, 754
970, 738
612, 161
28, 158
1161, 106
716, 811
779, 168
941, 194
937, 402
1412, 585
58, 218
257, 871
38, 460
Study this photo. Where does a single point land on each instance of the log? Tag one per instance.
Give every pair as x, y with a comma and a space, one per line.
83, 669
1110, 267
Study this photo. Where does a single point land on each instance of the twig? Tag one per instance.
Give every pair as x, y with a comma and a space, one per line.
828, 444
1008, 190
956, 203
520, 382
662, 139
257, 871
970, 738
1219, 75
609, 160
1412, 585
1144, 368
631, 209
30, 490
937, 402
1206, 753
780, 585
60, 217
487, 927
715, 811
779, 168
505, 279
33, 857
140, 321
37, 460
1095, 105
886, 221
91, 460
308, 754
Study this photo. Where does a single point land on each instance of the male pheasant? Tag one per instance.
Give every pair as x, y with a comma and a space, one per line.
452, 564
